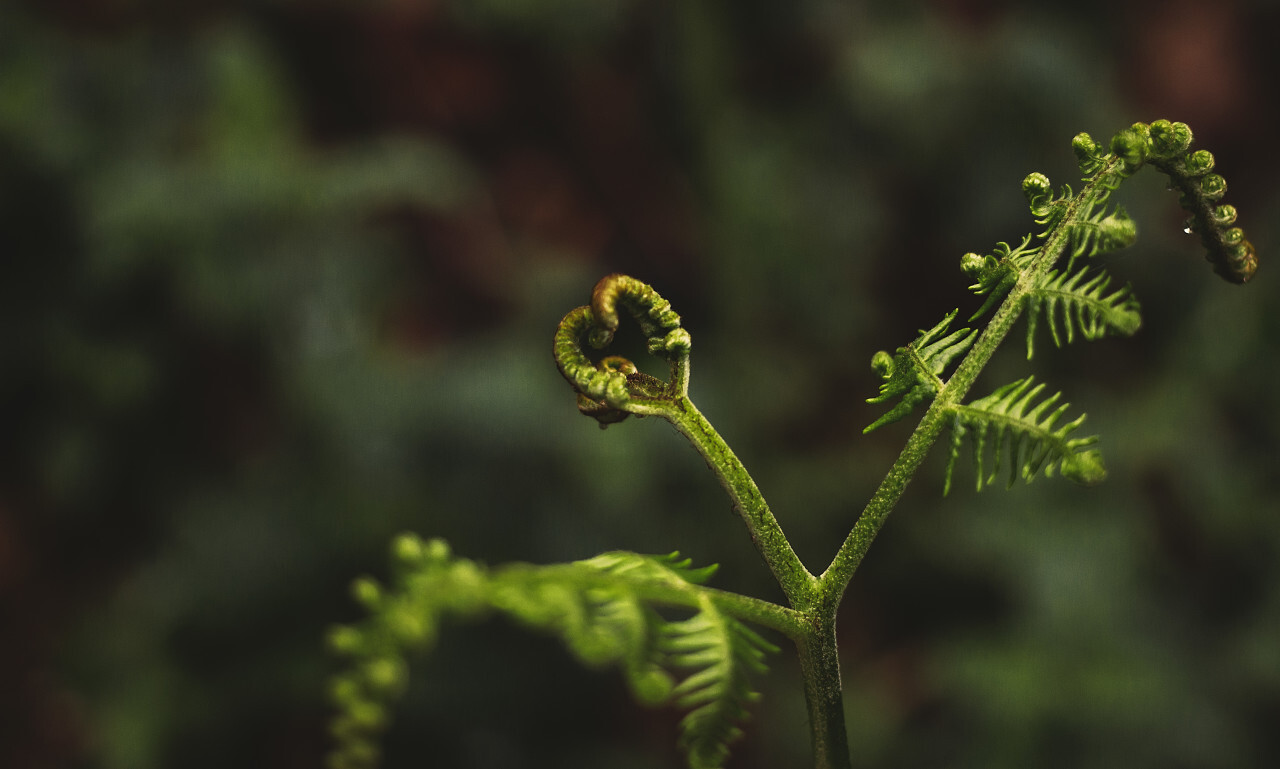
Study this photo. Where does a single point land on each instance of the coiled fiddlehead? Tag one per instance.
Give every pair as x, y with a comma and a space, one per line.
1166, 146
997, 272
657, 320
606, 609
613, 388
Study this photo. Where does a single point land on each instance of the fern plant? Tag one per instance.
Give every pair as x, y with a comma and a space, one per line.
681, 642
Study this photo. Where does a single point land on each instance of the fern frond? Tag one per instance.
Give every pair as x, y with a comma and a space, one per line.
1200, 194
603, 608
1166, 145
1101, 233
1011, 421
723, 653
659, 568
1078, 300
913, 372
1047, 208
997, 272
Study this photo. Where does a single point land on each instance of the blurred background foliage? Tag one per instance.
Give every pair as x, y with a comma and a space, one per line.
281, 279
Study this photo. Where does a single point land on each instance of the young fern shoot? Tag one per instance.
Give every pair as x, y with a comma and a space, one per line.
614, 609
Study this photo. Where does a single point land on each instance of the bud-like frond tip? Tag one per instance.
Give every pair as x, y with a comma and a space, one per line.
1200, 191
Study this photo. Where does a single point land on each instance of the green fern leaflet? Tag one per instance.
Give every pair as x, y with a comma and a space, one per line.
724, 654
1078, 300
914, 372
1010, 421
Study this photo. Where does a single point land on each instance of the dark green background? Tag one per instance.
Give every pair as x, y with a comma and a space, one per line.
280, 280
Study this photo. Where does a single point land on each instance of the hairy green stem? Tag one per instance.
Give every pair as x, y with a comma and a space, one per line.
817, 599
818, 658
816, 641
823, 692
796, 581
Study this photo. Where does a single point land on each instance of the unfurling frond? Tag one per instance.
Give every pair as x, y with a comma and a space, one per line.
602, 608
996, 273
1166, 145
1047, 208
611, 389
723, 654
1078, 300
1012, 423
652, 568
914, 372
657, 320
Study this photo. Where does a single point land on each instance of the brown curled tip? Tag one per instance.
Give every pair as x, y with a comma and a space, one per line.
619, 364
604, 300
650, 310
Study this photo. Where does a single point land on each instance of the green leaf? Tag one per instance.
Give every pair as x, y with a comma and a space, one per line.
603, 608
1010, 421
1078, 301
913, 372
1102, 233
997, 272
663, 568
723, 654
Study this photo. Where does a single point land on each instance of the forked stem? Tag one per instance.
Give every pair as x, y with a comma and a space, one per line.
796, 581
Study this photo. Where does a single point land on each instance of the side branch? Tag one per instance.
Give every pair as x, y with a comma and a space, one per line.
796, 581
1056, 240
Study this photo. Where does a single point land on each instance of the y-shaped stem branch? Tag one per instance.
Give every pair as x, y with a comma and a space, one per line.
796, 581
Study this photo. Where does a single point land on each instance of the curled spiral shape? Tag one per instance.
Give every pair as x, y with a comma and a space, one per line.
1167, 146
606, 384
1039, 193
1201, 191
657, 320
613, 388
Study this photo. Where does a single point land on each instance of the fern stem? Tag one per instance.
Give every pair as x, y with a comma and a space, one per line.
824, 698
1056, 240
849, 557
796, 581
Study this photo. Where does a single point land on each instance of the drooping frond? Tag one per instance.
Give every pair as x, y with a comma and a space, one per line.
604, 609
723, 654
914, 372
1079, 300
1011, 423
1200, 194
1166, 145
